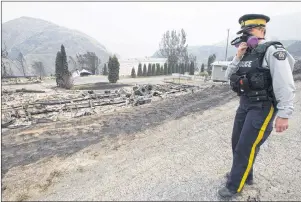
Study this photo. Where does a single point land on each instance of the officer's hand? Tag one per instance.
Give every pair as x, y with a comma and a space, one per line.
281, 124
241, 49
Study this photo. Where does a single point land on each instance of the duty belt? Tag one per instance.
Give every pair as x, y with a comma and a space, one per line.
256, 96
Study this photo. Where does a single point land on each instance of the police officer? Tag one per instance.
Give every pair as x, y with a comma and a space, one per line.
262, 77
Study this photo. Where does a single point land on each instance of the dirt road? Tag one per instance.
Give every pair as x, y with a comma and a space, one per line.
177, 149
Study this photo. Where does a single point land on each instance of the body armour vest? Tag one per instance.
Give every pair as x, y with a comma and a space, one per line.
252, 79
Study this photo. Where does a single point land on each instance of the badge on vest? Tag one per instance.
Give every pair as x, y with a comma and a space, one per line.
280, 55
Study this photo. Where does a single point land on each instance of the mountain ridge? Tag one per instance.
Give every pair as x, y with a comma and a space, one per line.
40, 40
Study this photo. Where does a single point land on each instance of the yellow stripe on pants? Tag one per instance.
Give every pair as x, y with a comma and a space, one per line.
252, 154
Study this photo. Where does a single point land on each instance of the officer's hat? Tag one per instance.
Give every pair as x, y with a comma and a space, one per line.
249, 21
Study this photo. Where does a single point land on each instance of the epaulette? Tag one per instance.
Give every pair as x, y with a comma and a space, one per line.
277, 46
262, 48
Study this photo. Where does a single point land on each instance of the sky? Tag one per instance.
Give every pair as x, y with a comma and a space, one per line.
135, 29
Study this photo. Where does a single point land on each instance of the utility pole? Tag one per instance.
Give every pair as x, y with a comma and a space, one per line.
227, 45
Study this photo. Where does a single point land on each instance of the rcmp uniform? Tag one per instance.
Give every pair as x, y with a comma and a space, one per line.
263, 79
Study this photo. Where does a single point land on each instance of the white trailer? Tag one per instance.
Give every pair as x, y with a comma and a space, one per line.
218, 71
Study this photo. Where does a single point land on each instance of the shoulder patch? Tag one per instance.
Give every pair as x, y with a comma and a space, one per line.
280, 55
277, 46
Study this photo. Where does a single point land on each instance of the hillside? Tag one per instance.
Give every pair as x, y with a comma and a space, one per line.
295, 49
39, 40
289, 33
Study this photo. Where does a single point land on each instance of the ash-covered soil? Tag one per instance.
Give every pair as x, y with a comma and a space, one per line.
171, 149
22, 147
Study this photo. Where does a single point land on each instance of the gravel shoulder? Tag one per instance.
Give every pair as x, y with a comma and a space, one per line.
177, 149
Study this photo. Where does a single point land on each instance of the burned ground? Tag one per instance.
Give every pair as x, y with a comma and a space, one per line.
68, 137
177, 147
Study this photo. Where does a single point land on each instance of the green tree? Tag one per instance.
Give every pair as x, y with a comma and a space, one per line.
191, 69
63, 76
186, 67
211, 59
153, 69
162, 71
139, 73
165, 70
203, 67
105, 70
182, 68
64, 60
149, 69
169, 69
173, 46
177, 68
133, 73
114, 67
144, 70
173, 68
158, 71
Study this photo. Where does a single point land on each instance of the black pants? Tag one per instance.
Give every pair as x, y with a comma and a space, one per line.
252, 125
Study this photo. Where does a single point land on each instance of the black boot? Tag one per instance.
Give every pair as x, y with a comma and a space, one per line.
249, 180
226, 193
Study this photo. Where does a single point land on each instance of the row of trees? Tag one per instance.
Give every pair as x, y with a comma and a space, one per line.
166, 69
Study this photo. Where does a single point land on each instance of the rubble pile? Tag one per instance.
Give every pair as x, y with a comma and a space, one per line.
23, 107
